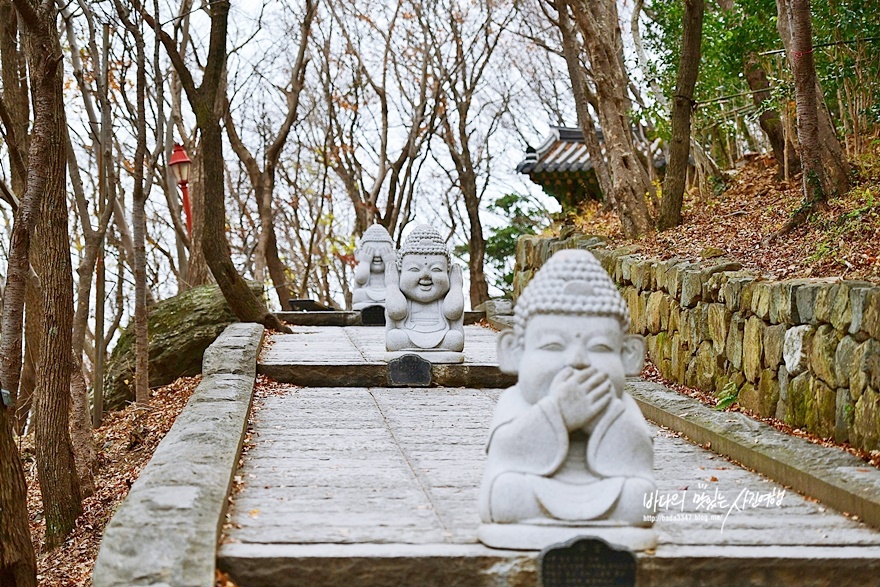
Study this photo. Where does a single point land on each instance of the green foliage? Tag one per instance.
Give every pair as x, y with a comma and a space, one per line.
849, 73
728, 396
525, 216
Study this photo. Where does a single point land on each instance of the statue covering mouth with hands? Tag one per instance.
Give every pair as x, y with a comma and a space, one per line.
424, 303
569, 452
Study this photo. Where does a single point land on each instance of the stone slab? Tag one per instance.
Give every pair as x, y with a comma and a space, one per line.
356, 357
347, 318
165, 532
379, 486
326, 318
830, 475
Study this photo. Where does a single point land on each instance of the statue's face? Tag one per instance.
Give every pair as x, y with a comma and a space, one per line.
424, 278
552, 342
374, 251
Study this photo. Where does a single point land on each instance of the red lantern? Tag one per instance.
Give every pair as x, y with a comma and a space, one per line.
180, 165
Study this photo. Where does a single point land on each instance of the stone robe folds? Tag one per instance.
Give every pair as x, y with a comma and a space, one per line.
564, 479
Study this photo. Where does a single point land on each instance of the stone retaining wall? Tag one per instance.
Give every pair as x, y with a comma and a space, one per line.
806, 351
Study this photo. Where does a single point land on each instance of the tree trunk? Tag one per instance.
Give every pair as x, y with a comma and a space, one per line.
47, 175
33, 328
571, 52
15, 99
18, 563
682, 107
246, 306
139, 224
769, 118
800, 56
479, 288
797, 29
600, 27
197, 269
804, 69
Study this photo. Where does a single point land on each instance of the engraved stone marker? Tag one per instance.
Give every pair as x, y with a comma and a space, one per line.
409, 370
373, 316
586, 562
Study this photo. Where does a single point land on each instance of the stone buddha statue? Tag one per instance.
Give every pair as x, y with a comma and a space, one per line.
424, 302
369, 273
569, 453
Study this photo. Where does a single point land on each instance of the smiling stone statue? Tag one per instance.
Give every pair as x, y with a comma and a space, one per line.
369, 274
569, 452
424, 307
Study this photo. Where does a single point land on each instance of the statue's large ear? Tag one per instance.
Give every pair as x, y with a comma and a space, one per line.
633, 354
509, 352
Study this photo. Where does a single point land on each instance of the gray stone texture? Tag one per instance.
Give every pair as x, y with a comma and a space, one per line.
165, 532
379, 487
826, 327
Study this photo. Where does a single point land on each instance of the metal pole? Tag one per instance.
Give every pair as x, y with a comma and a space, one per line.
104, 159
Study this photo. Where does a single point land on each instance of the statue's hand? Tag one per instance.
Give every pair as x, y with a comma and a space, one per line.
391, 274
453, 304
455, 279
582, 396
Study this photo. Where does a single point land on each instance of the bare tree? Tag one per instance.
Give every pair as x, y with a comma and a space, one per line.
682, 107
138, 217
599, 24
361, 150
59, 485
207, 101
263, 180
824, 165
583, 95
465, 42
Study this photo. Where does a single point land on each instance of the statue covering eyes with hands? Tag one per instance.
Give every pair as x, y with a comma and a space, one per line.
424, 304
568, 450
369, 273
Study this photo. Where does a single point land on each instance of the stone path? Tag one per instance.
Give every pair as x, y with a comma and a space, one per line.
378, 486
355, 356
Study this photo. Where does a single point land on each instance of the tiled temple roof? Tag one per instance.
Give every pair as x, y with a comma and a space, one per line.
564, 150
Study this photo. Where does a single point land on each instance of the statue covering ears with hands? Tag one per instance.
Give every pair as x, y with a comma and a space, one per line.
424, 303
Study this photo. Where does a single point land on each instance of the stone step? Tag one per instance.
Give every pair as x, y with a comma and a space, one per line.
355, 356
348, 318
352, 486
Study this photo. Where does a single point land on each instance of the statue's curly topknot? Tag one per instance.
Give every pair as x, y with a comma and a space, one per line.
423, 240
571, 282
377, 234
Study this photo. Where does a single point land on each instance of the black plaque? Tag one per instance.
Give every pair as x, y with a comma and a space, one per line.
586, 562
373, 316
409, 370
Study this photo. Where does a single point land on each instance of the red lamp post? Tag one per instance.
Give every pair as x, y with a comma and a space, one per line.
180, 164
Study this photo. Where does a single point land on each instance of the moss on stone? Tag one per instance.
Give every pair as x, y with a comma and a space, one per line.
180, 329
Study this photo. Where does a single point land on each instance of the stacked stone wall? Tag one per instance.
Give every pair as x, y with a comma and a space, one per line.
806, 351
